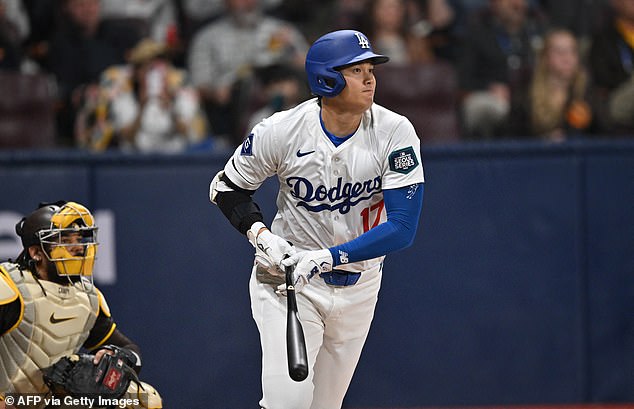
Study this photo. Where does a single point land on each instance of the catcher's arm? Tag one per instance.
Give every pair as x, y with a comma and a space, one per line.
105, 332
118, 340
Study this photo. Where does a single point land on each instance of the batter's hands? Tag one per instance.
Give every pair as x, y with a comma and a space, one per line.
307, 264
270, 249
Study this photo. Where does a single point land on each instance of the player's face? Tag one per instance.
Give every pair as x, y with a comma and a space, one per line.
73, 243
358, 94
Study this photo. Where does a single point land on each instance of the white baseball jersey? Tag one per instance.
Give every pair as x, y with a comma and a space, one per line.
328, 195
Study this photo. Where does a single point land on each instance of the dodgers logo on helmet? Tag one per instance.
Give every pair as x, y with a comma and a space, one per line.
363, 40
335, 50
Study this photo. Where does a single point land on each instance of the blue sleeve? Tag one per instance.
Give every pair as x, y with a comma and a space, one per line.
403, 207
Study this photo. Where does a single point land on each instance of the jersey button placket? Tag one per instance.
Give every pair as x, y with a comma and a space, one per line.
336, 215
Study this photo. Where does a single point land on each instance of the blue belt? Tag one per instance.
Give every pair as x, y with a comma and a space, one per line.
340, 278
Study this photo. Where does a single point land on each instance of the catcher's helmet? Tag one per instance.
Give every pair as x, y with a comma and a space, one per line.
40, 219
66, 233
332, 51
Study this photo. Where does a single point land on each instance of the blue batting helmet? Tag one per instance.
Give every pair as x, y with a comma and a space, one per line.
332, 51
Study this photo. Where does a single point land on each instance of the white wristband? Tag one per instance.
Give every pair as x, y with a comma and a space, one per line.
253, 231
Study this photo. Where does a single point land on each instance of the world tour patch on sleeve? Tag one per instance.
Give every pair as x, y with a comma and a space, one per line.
403, 160
247, 146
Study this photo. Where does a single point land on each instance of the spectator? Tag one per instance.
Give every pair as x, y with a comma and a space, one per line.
43, 16
146, 106
436, 20
196, 13
94, 125
463, 13
440, 13
282, 88
416, 82
81, 48
14, 29
495, 66
349, 13
223, 54
559, 105
394, 35
311, 17
409, 31
158, 17
581, 18
611, 62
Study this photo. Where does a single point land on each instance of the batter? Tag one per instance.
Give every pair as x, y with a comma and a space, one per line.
351, 191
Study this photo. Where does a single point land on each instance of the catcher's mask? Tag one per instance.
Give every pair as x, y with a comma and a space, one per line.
67, 234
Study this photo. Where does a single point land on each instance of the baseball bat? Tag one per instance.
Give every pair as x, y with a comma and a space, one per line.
295, 342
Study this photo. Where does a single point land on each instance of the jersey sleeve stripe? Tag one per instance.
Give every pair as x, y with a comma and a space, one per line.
233, 164
104, 339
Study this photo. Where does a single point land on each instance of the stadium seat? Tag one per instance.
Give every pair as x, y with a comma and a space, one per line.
426, 94
27, 110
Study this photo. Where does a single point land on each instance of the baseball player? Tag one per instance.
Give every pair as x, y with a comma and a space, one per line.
49, 307
351, 191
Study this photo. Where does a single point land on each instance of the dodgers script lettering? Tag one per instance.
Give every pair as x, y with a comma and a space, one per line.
341, 197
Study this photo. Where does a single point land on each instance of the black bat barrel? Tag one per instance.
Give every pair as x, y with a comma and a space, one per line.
295, 342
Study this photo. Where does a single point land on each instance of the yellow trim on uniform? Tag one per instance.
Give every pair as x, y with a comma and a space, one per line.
103, 305
104, 339
11, 284
8, 280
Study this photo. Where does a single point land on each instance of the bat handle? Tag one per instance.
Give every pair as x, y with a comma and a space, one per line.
288, 274
295, 342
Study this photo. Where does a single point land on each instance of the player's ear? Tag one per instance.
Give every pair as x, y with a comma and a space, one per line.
35, 253
329, 82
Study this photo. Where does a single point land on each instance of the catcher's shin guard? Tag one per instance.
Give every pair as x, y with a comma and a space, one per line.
145, 395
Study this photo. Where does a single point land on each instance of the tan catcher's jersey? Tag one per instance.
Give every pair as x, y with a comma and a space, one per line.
328, 195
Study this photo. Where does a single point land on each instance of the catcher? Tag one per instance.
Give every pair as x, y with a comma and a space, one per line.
50, 310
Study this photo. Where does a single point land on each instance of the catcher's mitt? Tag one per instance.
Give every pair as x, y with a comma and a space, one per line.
76, 375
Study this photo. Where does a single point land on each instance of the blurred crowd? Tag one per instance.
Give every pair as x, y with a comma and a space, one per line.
181, 75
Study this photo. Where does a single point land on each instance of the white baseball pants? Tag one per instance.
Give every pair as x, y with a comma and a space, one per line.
336, 321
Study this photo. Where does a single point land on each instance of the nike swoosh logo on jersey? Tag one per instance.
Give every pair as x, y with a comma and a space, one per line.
300, 154
56, 320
